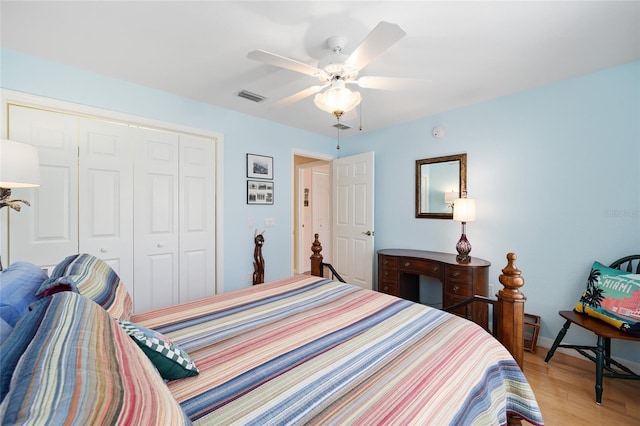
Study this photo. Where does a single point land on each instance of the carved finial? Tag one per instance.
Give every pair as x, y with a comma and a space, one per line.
316, 247
316, 257
511, 276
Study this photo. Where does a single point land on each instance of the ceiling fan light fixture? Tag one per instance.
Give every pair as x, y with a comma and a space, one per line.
338, 99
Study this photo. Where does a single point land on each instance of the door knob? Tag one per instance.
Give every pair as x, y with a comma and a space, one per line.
369, 233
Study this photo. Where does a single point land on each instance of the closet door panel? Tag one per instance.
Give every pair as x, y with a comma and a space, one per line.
197, 218
46, 232
106, 195
156, 267
154, 291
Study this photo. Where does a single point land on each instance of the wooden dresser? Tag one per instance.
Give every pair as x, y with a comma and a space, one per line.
399, 271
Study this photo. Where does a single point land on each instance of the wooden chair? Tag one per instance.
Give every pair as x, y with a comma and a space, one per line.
604, 332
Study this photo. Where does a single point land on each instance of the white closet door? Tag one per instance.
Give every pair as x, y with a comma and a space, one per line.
106, 195
197, 218
47, 231
156, 230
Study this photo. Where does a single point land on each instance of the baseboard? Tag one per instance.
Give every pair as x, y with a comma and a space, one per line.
546, 343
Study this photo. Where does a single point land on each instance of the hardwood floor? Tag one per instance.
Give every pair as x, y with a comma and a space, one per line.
565, 392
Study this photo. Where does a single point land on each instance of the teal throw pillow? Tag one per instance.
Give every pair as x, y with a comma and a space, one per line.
171, 361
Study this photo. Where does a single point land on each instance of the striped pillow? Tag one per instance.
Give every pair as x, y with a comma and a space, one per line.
93, 278
72, 364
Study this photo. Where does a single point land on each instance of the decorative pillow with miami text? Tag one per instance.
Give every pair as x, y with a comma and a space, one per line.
612, 296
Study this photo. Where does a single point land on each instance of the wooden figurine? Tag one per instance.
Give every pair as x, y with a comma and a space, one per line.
258, 264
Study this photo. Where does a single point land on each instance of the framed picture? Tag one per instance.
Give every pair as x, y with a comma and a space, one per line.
259, 192
259, 166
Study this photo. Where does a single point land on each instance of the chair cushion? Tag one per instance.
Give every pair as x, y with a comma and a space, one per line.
612, 296
171, 361
93, 278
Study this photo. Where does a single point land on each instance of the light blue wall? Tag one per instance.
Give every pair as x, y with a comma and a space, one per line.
554, 171
556, 175
242, 134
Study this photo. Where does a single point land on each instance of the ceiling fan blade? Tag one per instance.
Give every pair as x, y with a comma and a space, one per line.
284, 62
381, 38
392, 83
300, 95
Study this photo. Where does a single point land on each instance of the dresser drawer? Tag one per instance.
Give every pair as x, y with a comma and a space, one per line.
459, 274
421, 267
460, 289
388, 274
388, 287
388, 261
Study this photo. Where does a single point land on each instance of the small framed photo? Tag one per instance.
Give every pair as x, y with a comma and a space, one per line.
259, 166
259, 192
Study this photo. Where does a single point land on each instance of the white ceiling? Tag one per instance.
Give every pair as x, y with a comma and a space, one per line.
471, 51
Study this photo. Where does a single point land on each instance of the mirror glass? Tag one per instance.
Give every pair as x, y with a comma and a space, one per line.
439, 181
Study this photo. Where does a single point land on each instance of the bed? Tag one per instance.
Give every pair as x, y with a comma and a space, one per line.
301, 350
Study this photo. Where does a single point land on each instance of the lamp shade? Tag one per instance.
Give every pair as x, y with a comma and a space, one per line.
338, 99
19, 165
450, 197
464, 210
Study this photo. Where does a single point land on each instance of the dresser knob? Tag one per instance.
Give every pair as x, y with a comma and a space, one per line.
407, 264
386, 288
456, 274
435, 269
456, 288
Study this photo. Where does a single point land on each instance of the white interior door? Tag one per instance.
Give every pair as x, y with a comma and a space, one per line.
353, 222
197, 218
106, 195
305, 219
47, 231
314, 211
155, 220
321, 208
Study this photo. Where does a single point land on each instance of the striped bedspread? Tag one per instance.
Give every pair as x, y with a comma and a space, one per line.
307, 350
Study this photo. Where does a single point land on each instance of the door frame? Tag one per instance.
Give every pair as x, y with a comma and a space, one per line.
295, 152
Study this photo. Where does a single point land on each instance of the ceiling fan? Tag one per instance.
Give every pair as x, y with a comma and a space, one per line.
337, 70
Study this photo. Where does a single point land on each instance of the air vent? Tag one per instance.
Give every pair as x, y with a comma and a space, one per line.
341, 126
251, 96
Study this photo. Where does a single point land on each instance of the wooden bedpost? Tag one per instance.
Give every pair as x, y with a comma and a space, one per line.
316, 257
511, 310
258, 265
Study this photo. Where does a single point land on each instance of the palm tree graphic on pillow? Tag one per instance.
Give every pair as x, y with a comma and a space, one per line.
593, 297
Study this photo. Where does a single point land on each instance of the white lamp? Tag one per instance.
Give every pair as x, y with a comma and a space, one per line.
338, 99
464, 210
19, 168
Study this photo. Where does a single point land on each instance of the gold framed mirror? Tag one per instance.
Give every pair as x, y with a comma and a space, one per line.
439, 181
